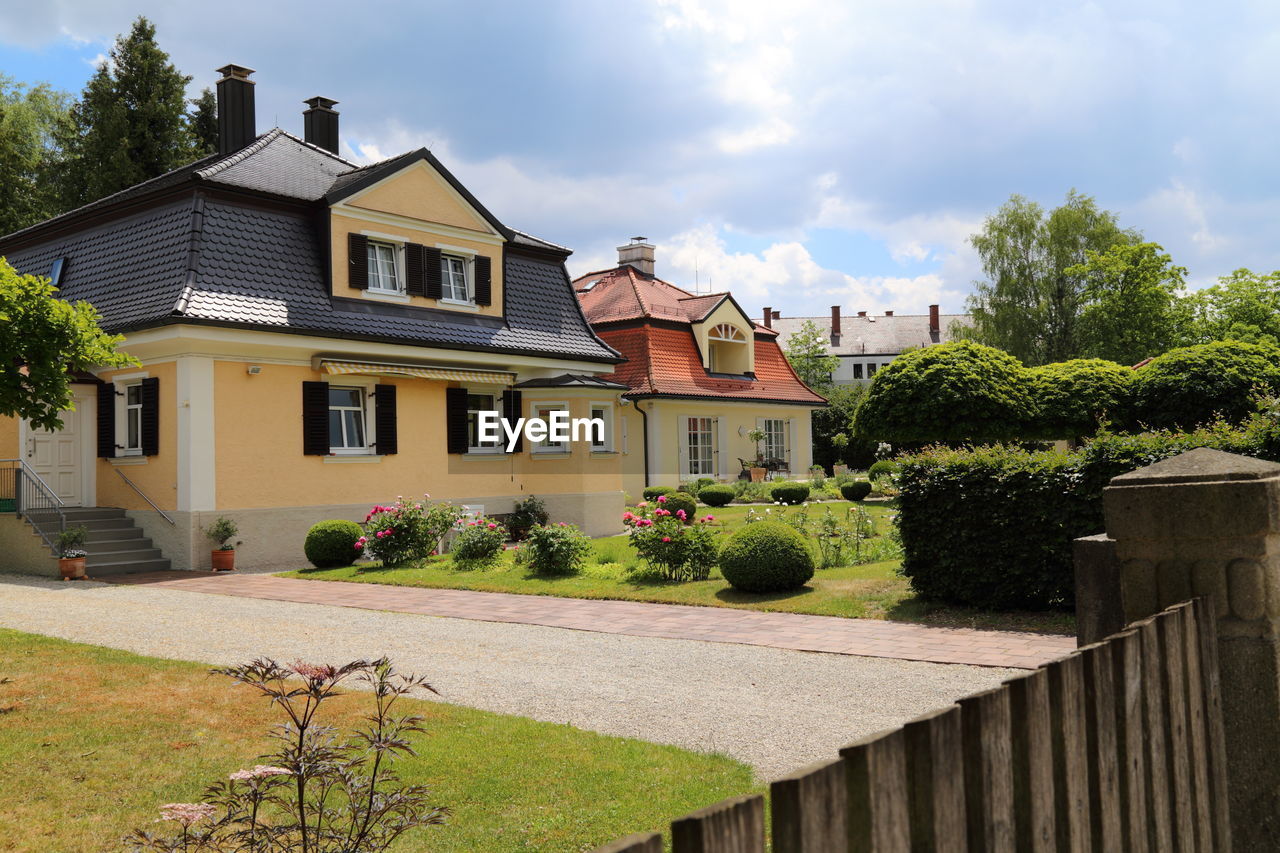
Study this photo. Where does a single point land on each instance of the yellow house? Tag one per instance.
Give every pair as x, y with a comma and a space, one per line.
314, 337
701, 379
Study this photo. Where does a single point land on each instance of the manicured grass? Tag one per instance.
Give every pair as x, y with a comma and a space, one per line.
92, 740
873, 590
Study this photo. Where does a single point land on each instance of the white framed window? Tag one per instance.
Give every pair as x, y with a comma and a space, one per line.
384, 267
132, 420
774, 446
477, 402
348, 420
602, 440
700, 444
546, 445
453, 278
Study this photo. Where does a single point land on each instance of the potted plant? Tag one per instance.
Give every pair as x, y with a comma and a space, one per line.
220, 533
839, 442
71, 553
758, 471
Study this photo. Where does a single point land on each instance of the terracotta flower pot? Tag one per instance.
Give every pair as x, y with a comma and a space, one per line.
757, 474
71, 568
224, 560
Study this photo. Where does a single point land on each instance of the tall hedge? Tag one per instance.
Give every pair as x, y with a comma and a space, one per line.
1195, 385
1075, 396
954, 392
992, 527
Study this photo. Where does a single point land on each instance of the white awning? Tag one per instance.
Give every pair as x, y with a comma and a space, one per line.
451, 374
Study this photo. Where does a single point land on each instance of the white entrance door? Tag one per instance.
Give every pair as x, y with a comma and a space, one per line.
56, 456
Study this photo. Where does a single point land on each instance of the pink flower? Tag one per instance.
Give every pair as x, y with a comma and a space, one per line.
628, 516
666, 538
493, 526
708, 518
662, 499
644, 522
681, 515
642, 503
186, 813
662, 512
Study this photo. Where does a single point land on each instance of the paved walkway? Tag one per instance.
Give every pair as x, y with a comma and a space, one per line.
799, 632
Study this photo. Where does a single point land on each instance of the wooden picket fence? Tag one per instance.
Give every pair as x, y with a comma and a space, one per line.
1117, 747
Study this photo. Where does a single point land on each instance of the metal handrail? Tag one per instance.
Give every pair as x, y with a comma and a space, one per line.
26, 480
143, 495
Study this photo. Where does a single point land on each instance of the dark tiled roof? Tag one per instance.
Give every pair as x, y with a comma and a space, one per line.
876, 335
205, 259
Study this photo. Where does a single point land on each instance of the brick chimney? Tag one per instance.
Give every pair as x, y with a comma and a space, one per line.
888, 313
934, 323
320, 123
777, 315
768, 318
862, 313
237, 121
638, 253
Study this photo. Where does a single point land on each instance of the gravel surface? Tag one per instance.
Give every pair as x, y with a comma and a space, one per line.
771, 708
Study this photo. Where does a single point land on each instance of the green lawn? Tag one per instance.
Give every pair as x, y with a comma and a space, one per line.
873, 590
92, 740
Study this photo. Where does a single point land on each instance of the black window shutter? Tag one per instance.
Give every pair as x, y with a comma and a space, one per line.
431, 260
315, 418
384, 420
358, 261
456, 419
106, 420
415, 269
484, 280
150, 417
511, 407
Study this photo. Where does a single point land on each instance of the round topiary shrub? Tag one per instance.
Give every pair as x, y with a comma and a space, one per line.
960, 391
790, 493
883, 468
651, 492
855, 491
330, 544
766, 556
1074, 396
1194, 385
717, 495
676, 501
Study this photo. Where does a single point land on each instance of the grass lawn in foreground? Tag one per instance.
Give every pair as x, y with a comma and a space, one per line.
93, 740
873, 590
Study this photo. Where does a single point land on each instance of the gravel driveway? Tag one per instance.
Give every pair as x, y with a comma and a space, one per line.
771, 708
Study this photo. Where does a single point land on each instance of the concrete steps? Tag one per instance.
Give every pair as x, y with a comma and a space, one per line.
115, 545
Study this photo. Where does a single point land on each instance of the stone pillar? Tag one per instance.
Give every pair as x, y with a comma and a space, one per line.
1208, 523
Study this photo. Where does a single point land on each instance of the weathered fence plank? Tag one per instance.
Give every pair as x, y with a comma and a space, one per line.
641, 842
988, 770
1126, 657
1176, 742
1105, 811
1070, 754
1032, 757
1160, 819
809, 809
935, 781
1207, 639
1197, 735
876, 782
731, 826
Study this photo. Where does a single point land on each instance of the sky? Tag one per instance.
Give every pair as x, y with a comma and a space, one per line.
800, 154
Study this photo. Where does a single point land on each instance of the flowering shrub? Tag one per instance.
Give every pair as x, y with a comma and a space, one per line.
670, 543
322, 792
554, 549
479, 543
406, 530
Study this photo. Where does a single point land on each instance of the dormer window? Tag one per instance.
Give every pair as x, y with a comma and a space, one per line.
453, 278
727, 350
384, 272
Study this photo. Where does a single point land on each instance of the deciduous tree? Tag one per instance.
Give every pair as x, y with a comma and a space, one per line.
1132, 306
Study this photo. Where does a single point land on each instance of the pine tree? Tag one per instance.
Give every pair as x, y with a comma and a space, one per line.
203, 122
129, 125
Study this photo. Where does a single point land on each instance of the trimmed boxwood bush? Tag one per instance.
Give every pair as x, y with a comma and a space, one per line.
960, 391
681, 500
717, 495
790, 493
330, 544
651, 492
766, 556
1074, 396
1195, 385
855, 491
883, 468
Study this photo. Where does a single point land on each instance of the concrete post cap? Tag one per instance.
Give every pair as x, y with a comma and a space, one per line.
1202, 465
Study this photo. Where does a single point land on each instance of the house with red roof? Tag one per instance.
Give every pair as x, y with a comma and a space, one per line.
701, 377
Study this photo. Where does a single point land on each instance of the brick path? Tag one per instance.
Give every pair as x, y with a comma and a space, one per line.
867, 637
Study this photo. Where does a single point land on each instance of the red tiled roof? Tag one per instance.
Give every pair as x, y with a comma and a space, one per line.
665, 360
625, 293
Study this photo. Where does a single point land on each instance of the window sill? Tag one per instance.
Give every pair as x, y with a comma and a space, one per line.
604, 453
128, 460
352, 457
551, 454
387, 296
459, 304
483, 454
